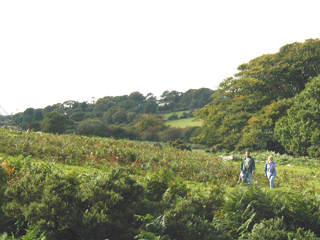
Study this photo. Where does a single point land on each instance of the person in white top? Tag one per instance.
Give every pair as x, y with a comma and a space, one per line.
270, 170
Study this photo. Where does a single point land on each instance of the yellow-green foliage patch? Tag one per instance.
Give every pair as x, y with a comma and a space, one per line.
186, 122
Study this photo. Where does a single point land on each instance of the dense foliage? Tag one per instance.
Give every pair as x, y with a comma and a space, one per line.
104, 113
135, 190
246, 107
69, 186
299, 130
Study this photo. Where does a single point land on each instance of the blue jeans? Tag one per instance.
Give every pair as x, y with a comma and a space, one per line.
247, 176
271, 179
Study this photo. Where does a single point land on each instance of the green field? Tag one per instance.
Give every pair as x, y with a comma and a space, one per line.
186, 122
182, 123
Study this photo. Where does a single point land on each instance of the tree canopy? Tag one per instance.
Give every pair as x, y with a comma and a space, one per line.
299, 130
246, 106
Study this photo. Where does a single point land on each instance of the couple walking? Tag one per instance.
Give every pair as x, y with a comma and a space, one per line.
248, 168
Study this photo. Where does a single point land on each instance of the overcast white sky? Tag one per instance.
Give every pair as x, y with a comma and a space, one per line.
54, 51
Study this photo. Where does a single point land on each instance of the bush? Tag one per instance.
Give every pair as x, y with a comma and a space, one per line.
171, 134
188, 218
111, 200
46, 200
156, 184
275, 229
51, 204
173, 117
180, 144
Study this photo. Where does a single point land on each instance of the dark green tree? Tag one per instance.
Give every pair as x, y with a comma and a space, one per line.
37, 116
137, 97
119, 117
299, 131
104, 104
150, 106
93, 127
259, 83
55, 123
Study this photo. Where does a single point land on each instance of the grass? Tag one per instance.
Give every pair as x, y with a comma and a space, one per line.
182, 123
186, 122
292, 175
165, 116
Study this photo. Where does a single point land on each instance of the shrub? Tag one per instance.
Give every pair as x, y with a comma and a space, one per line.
188, 218
111, 200
156, 184
171, 134
276, 229
173, 117
46, 200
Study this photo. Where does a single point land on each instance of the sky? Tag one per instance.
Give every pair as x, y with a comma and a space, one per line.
81, 50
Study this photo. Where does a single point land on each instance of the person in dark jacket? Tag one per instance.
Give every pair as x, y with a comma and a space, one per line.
270, 170
247, 168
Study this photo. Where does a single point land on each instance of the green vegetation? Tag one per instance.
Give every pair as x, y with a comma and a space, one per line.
77, 187
179, 114
299, 130
182, 119
108, 116
262, 106
187, 122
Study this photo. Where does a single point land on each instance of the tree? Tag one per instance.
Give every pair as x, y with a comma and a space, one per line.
149, 121
259, 133
127, 104
77, 116
299, 131
55, 123
93, 127
28, 115
119, 117
104, 104
37, 116
149, 127
171, 98
196, 98
108, 115
259, 83
137, 97
150, 106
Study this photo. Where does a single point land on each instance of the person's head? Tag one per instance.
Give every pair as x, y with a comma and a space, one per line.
247, 153
270, 158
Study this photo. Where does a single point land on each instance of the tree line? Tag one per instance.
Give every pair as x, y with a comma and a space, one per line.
271, 103
132, 116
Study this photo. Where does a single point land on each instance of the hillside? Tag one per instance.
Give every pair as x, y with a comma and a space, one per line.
271, 103
121, 189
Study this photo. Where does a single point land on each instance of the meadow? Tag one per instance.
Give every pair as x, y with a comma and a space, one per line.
186, 122
120, 189
182, 123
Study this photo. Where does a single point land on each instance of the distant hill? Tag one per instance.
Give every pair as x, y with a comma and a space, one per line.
114, 116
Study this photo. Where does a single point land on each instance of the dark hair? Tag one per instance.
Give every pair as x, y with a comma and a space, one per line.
248, 150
